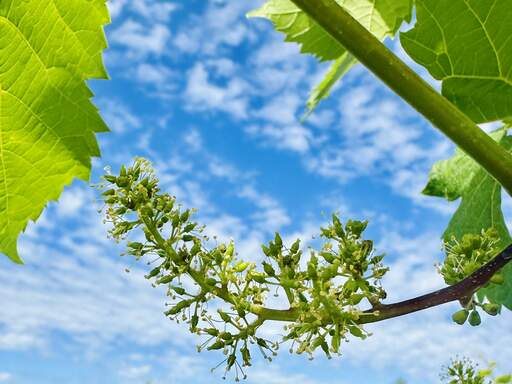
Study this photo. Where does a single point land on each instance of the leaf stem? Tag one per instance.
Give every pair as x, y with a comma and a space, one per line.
411, 87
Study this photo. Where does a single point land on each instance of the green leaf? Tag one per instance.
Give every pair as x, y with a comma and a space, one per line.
467, 45
321, 91
381, 17
480, 206
47, 121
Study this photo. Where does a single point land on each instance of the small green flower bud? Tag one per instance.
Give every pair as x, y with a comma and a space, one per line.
165, 280
110, 178
153, 272
461, 316
109, 192
196, 248
246, 355
329, 257
226, 336
224, 316
504, 379
175, 220
184, 216
178, 307
212, 331
356, 298
135, 245
338, 228
122, 181
194, 321
269, 270
491, 309
217, 345
261, 342
335, 342
111, 200
474, 318
230, 249
258, 277
497, 278
278, 241
357, 332
178, 290
189, 227
231, 360
241, 266
295, 246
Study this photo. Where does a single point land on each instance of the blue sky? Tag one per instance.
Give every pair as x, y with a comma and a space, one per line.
214, 101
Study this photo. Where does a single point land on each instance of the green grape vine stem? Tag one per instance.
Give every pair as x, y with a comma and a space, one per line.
411, 87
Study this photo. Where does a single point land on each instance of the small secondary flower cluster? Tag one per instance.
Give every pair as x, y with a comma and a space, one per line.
323, 290
463, 371
462, 259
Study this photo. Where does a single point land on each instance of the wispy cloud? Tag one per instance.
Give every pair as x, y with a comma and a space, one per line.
203, 95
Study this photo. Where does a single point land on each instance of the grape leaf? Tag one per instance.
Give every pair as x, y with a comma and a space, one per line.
381, 17
467, 45
480, 206
338, 69
47, 121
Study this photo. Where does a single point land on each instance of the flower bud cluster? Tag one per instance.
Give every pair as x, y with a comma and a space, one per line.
327, 288
464, 371
324, 290
463, 258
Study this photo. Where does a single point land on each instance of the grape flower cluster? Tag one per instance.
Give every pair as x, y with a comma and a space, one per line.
464, 371
222, 297
465, 256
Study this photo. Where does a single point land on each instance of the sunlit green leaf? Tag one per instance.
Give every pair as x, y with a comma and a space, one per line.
381, 17
47, 121
467, 45
480, 206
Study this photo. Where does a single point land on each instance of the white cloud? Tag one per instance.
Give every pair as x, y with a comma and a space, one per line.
281, 109
5, 377
207, 34
291, 137
115, 7
270, 215
140, 40
272, 374
118, 116
135, 372
223, 66
203, 95
72, 201
151, 11
152, 74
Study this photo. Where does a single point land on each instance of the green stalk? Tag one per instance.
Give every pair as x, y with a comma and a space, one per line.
411, 87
